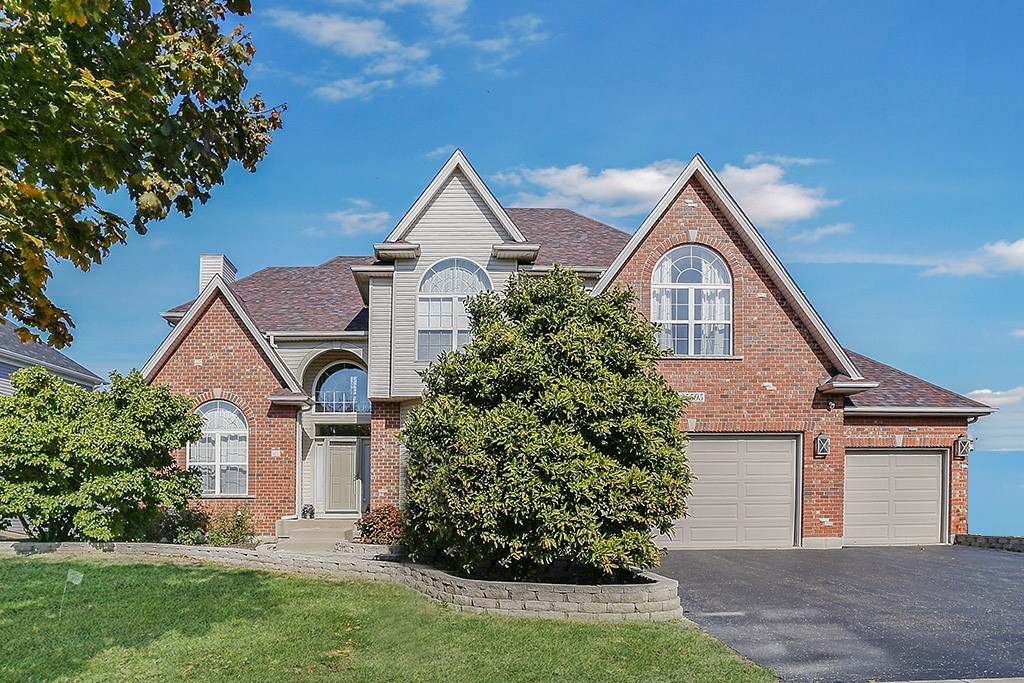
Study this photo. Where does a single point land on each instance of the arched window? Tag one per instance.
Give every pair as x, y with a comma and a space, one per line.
691, 300
342, 389
442, 323
222, 454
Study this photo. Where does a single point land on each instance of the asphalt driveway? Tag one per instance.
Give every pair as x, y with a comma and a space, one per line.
858, 614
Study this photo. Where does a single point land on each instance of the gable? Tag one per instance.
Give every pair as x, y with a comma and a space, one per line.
699, 177
457, 212
217, 327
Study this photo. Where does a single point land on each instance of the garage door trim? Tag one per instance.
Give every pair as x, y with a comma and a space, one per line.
798, 444
944, 460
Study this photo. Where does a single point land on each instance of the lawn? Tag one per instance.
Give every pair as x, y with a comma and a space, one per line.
141, 621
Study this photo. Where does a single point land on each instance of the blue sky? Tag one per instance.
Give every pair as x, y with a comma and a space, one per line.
877, 146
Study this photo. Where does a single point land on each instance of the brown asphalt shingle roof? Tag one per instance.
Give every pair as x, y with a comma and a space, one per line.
569, 238
897, 389
303, 298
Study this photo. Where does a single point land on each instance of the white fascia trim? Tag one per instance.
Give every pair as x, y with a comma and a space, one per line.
216, 285
457, 161
396, 251
918, 411
515, 252
63, 373
314, 334
363, 274
753, 239
585, 271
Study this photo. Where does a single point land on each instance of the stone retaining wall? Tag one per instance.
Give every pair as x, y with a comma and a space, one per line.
1012, 543
657, 600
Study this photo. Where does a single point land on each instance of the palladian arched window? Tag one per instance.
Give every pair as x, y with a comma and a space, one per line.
342, 389
691, 302
442, 323
222, 454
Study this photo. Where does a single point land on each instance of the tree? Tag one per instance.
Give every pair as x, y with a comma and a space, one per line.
550, 438
94, 466
103, 97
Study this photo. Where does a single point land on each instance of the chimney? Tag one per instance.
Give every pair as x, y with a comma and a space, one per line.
215, 264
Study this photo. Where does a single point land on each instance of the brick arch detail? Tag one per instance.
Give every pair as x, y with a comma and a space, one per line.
223, 395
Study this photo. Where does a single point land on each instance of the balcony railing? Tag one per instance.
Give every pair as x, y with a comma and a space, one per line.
341, 402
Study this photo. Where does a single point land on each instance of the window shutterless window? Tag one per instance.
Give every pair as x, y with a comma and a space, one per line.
222, 454
442, 323
691, 302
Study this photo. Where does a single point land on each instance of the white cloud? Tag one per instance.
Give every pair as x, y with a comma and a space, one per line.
866, 258
610, 193
781, 160
992, 258
613, 193
360, 219
379, 60
817, 234
768, 199
997, 398
1018, 333
443, 151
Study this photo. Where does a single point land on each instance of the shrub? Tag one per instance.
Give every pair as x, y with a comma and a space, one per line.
550, 440
186, 526
231, 526
384, 525
94, 466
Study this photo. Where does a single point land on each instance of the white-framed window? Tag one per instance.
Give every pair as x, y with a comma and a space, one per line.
442, 323
222, 454
691, 302
342, 388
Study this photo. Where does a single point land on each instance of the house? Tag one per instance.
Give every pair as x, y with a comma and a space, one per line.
15, 355
305, 375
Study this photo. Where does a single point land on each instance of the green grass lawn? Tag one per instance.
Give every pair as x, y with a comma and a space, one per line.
140, 621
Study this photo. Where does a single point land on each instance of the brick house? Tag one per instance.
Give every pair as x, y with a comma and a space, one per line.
304, 375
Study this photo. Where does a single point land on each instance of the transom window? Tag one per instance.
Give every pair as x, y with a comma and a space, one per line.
442, 322
342, 389
222, 454
691, 302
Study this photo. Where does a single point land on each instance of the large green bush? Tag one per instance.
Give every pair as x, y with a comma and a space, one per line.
94, 466
550, 440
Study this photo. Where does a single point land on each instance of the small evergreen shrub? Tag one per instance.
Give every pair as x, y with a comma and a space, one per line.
231, 526
551, 440
185, 526
384, 526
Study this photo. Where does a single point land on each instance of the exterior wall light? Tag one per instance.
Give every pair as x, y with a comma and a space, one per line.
822, 445
964, 445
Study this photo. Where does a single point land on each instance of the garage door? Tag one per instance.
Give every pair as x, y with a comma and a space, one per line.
744, 495
894, 498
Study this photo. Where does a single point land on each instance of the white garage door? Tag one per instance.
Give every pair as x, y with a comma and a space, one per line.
894, 498
744, 495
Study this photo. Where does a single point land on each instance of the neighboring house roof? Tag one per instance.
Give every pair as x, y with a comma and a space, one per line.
290, 299
36, 353
900, 393
698, 168
217, 286
568, 238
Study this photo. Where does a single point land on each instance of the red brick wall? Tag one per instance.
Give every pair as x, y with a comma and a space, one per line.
921, 432
217, 358
773, 386
385, 463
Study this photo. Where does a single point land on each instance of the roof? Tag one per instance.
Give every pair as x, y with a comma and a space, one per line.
897, 389
291, 299
36, 353
699, 169
569, 238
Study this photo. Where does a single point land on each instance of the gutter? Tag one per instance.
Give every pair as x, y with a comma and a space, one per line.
914, 411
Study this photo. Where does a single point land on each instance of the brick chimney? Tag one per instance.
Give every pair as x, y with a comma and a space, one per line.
215, 264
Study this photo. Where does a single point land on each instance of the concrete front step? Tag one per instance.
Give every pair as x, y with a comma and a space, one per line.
313, 535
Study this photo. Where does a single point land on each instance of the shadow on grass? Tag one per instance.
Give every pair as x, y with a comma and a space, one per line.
124, 606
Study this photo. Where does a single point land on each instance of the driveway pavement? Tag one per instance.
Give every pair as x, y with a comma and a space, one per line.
859, 614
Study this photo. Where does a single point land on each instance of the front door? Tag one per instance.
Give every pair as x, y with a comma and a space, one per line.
344, 489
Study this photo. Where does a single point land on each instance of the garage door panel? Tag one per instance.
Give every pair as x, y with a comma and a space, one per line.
744, 495
893, 498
